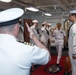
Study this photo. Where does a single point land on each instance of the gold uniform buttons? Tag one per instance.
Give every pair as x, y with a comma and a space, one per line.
26, 43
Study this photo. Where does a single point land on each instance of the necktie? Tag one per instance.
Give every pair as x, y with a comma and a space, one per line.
47, 31
37, 30
69, 29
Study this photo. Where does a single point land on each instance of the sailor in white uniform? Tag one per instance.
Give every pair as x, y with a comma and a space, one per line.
17, 58
44, 34
72, 41
20, 36
35, 30
59, 41
50, 34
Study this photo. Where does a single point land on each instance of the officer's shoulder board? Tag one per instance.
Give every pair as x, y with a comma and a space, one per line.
26, 43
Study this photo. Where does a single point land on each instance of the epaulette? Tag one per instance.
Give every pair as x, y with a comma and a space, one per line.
26, 43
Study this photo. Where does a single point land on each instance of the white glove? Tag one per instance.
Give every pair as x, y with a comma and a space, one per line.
43, 28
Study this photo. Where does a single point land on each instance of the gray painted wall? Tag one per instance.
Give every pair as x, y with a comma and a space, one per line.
41, 18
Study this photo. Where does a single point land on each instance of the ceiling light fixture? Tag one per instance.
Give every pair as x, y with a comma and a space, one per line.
47, 14
6, 0
32, 9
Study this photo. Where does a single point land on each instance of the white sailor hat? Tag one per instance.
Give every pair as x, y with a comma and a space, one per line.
10, 16
72, 11
35, 21
49, 24
44, 23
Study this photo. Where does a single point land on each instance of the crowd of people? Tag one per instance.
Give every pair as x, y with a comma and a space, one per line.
46, 33
16, 58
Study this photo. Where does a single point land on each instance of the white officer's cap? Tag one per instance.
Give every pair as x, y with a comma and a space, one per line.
72, 11
44, 23
10, 16
49, 24
35, 21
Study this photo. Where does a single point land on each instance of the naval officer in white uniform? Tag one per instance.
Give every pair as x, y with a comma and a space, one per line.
72, 41
44, 34
50, 34
35, 30
60, 35
17, 58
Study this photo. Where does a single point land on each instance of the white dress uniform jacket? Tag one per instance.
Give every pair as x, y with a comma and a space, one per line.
72, 47
36, 33
59, 34
16, 58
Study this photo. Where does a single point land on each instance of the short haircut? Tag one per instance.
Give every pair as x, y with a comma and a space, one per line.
59, 24
73, 14
4, 29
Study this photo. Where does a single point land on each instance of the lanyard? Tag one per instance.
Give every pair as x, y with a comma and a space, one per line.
37, 30
47, 31
69, 29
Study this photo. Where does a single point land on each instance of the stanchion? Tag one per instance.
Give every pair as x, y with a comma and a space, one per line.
67, 66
